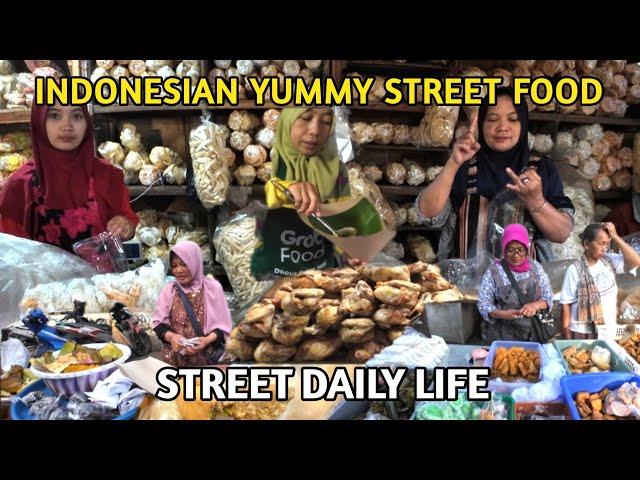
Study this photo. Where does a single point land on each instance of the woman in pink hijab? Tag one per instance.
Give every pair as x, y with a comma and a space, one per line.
505, 318
191, 317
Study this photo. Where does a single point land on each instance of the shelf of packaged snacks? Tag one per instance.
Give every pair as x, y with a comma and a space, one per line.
242, 105
612, 195
567, 118
8, 117
161, 191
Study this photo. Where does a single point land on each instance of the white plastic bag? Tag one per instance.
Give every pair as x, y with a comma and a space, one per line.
13, 352
25, 264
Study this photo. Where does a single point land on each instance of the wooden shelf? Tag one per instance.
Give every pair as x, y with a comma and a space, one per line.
242, 105
161, 191
612, 195
566, 118
402, 148
401, 190
8, 117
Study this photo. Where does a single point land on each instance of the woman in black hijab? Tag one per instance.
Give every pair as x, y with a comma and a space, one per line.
526, 190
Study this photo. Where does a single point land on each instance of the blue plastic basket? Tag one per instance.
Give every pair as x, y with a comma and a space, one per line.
508, 387
593, 383
19, 411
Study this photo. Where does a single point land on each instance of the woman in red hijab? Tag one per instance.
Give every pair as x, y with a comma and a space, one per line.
65, 194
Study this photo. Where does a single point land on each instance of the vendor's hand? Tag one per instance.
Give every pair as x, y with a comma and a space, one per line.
354, 262
610, 228
174, 340
528, 187
529, 310
120, 226
204, 343
306, 198
466, 147
510, 314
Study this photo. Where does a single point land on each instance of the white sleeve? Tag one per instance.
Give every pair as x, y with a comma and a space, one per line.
618, 261
569, 292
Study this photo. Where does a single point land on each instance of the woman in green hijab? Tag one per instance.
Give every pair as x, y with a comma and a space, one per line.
305, 161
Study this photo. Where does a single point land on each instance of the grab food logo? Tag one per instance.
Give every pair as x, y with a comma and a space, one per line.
289, 238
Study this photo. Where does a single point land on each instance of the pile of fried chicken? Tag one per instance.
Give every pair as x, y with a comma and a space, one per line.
341, 313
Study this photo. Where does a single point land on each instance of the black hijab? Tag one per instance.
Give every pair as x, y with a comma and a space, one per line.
492, 176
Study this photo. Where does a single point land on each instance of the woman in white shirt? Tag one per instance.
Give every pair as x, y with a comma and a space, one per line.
589, 293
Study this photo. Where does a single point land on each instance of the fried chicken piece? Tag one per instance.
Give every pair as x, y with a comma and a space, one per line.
356, 330
304, 281
374, 274
387, 317
302, 301
269, 351
257, 329
326, 318
419, 267
433, 282
363, 353
288, 320
451, 295
358, 300
240, 349
398, 293
280, 294
316, 349
287, 335
328, 302
260, 312
335, 280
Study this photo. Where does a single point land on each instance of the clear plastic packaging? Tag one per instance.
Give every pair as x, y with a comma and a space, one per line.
175, 175
255, 155
104, 252
149, 175
395, 173
263, 173
415, 173
245, 175
394, 250
383, 133
437, 126
361, 186
420, 247
235, 242
543, 144
162, 157
112, 151
372, 172
579, 191
362, 133
210, 172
